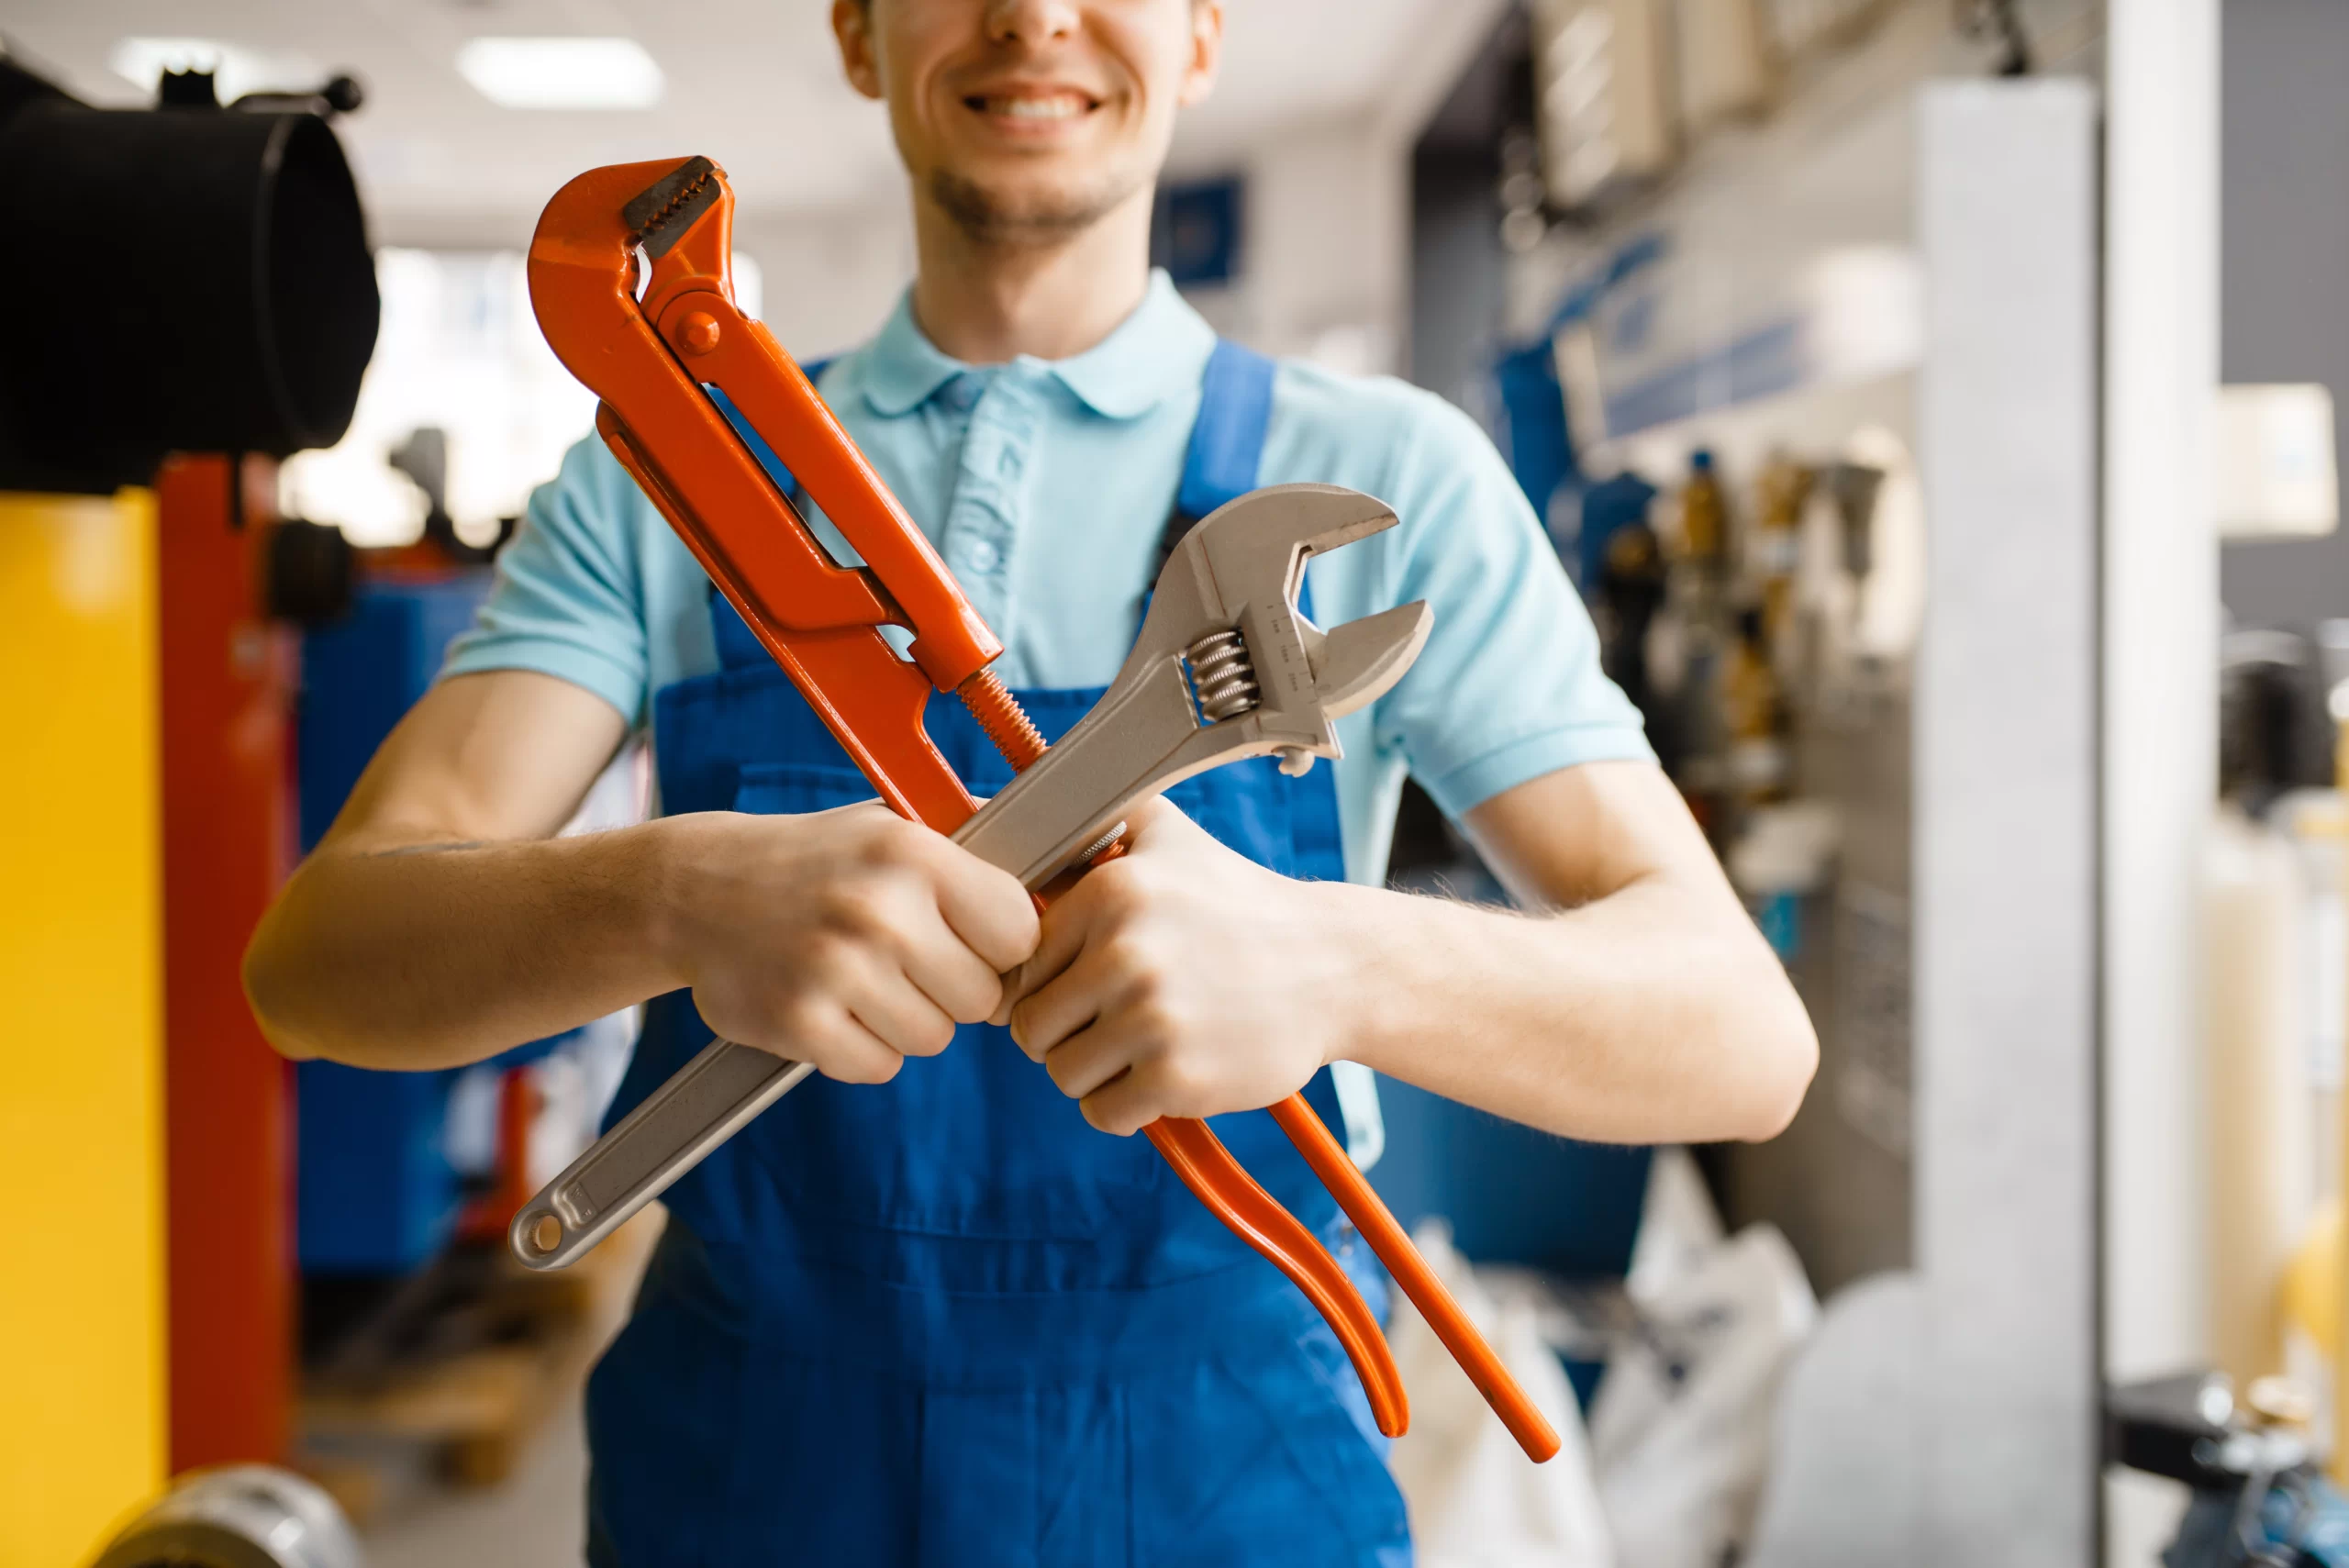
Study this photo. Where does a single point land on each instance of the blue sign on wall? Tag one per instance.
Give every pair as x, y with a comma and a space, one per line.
1194, 231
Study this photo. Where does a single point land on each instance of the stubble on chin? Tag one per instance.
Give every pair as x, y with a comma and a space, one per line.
993, 217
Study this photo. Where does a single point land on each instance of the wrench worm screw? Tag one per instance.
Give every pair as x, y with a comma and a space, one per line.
1225, 678
1093, 850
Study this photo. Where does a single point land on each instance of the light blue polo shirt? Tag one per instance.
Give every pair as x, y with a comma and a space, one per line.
1046, 485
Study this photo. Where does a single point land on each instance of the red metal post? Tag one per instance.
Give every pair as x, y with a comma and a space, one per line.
228, 684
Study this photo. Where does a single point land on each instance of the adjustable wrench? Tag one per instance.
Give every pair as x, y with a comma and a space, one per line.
1226, 667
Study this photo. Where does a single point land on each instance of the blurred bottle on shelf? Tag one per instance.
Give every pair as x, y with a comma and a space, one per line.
2266, 980
2255, 1087
1704, 515
1631, 588
1691, 645
1855, 487
1754, 718
1774, 555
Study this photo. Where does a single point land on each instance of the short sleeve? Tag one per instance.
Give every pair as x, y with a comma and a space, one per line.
1509, 686
569, 596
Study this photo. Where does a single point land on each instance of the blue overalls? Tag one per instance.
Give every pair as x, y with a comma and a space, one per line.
943, 1321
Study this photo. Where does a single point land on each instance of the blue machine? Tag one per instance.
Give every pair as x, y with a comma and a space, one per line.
375, 1192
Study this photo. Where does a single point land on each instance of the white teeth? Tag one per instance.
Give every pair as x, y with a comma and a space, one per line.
1038, 108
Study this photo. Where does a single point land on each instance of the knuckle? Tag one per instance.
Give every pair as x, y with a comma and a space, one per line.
1024, 926
870, 1066
934, 1036
978, 1004
1028, 1031
1117, 887
830, 904
1133, 958
1154, 1015
1006, 887
1109, 1117
828, 957
858, 912
1136, 888
801, 1022
886, 840
1177, 1084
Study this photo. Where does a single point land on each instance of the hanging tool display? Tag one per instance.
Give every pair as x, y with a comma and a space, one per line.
629, 277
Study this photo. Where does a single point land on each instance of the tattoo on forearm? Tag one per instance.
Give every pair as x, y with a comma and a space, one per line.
426, 849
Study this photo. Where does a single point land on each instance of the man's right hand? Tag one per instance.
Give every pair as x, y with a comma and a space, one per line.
440, 921
850, 939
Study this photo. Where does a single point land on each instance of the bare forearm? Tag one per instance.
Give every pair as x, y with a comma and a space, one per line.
424, 954
1653, 1015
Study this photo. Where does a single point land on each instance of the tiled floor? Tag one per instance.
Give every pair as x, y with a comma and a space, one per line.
537, 1518
534, 1520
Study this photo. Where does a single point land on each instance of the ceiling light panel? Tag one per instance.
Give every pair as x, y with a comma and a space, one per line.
562, 73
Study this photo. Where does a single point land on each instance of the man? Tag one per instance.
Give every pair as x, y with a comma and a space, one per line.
918, 1312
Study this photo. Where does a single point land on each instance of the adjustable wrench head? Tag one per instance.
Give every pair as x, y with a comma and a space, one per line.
1241, 570
1226, 667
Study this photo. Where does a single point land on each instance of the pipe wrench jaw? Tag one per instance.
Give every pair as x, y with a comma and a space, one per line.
659, 215
684, 223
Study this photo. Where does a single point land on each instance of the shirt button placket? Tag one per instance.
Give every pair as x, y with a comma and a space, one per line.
990, 501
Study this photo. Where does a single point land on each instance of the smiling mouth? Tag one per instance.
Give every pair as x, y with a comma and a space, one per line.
1032, 109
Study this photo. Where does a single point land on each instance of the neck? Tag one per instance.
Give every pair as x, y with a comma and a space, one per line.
983, 299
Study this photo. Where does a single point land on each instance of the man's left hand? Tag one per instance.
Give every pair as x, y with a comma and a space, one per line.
1183, 980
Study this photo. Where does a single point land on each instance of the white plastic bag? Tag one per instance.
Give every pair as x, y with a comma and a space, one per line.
1680, 1429
1475, 1500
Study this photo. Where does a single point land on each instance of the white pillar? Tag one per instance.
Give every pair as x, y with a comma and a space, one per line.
2160, 684
2004, 820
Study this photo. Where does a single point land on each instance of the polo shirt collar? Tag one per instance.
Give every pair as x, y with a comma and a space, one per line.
1156, 352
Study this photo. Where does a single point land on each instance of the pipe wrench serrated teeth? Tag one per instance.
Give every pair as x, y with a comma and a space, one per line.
659, 215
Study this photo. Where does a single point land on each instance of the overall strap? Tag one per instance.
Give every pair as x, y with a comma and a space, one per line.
1227, 440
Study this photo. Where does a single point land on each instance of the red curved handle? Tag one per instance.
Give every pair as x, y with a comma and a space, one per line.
1386, 1238
1218, 1181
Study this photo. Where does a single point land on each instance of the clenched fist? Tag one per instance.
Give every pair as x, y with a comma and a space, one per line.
848, 938
1185, 980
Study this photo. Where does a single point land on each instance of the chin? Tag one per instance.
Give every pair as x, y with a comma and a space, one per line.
1010, 203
